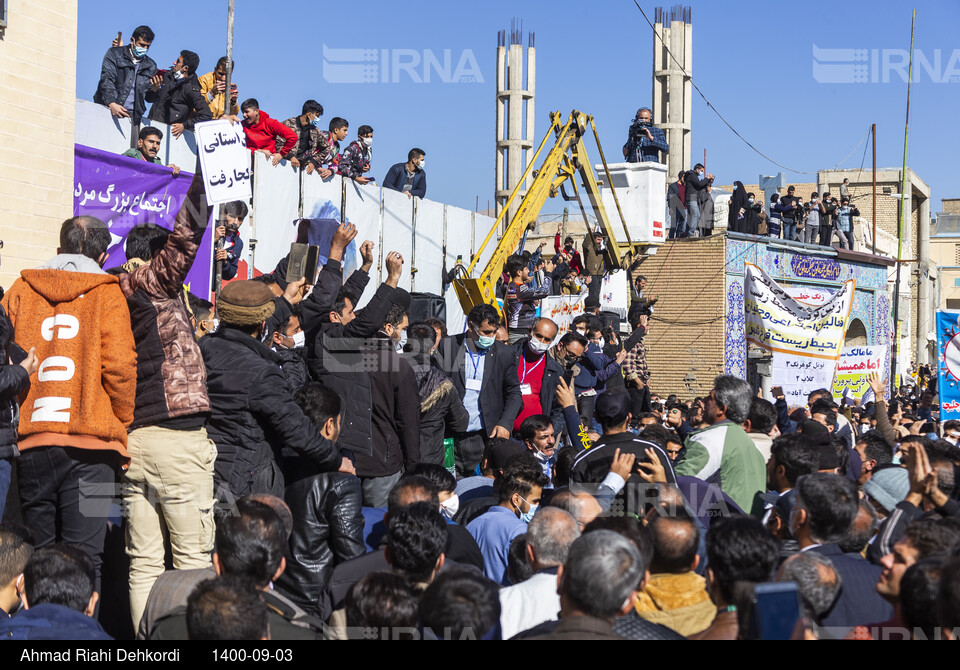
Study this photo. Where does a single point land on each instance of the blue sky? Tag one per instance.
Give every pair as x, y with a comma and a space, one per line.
753, 60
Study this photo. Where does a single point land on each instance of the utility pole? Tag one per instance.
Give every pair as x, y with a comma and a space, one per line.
227, 108
873, 215
901, 214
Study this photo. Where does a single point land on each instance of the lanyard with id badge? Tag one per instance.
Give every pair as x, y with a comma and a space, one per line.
525, 389
474, 384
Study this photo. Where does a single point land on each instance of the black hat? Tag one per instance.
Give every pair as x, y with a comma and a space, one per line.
504, 452
612, 406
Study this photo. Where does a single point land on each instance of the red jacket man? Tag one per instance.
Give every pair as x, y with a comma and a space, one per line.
262, 131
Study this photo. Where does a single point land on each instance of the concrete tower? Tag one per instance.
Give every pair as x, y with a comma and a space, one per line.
514, 106
672, 90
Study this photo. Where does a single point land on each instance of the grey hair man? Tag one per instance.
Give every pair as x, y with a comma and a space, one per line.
548, 539
818, 583
598, 582
723, 453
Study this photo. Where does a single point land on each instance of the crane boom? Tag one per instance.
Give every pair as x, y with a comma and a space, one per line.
566, 158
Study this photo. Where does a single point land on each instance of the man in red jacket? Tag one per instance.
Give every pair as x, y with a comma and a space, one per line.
262, 132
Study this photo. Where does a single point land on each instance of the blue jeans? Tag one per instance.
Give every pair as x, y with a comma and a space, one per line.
693, 220
676, 221
789, 231
6, 468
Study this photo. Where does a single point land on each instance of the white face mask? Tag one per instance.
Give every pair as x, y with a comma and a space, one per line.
367, 141
299, 339
178, 75
422, 163
450, 506
582, 332
538, 347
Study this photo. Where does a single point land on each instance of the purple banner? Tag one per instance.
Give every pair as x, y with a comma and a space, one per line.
125, 192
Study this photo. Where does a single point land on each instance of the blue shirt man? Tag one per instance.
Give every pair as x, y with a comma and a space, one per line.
520, 490
644, 142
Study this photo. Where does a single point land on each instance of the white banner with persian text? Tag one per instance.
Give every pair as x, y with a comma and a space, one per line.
225, 158
806, 341
562, 310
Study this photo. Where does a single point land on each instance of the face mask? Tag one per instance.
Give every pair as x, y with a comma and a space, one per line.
178, 75
450, 506
750, 200
538, 347
527, 516
422, 163
402, 342
582, 332
542, 457
139, 52
299, 339
602, 343
367, 141
316, 123
484, 342
896, 458
571, 360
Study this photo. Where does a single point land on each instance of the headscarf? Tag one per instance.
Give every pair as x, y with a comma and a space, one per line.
737, 201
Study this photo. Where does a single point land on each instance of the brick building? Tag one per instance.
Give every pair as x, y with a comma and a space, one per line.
697, 329
38, 63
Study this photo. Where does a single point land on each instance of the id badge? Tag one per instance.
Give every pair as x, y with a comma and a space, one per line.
525, 389
473, 384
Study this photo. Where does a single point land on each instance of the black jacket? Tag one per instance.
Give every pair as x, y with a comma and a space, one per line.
179, 102
627, 443
552, 374
285, 622
694, 184
327, 530
253, 417
394, 413
14, 380
117, 78
500, 399
293, 365
339, 359
441, 410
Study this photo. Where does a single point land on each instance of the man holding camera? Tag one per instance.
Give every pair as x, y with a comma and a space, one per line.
644, 142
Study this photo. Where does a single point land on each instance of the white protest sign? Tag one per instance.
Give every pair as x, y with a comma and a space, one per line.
854, 368
562, 310
805, 341
225, 160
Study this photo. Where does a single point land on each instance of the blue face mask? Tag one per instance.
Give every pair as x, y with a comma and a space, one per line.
527, 516
139, 52
316, 123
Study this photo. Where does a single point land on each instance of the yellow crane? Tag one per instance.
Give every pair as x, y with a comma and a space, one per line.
565, 159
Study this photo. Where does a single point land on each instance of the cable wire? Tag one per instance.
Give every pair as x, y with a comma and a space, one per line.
716, 111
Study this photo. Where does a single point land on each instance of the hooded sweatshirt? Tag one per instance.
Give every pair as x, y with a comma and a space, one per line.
264, 134
77, 318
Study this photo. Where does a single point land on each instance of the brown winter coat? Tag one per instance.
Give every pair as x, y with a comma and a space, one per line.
171, 377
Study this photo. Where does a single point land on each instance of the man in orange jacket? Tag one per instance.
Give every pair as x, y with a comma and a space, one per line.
73, 423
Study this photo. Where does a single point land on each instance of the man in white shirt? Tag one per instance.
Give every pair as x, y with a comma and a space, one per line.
531, 602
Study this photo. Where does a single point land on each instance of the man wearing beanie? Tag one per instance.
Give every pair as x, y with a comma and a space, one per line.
253, 416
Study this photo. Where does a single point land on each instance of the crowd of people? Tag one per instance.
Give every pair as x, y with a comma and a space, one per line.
179, 97
302, 467
310, 469
690, 202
